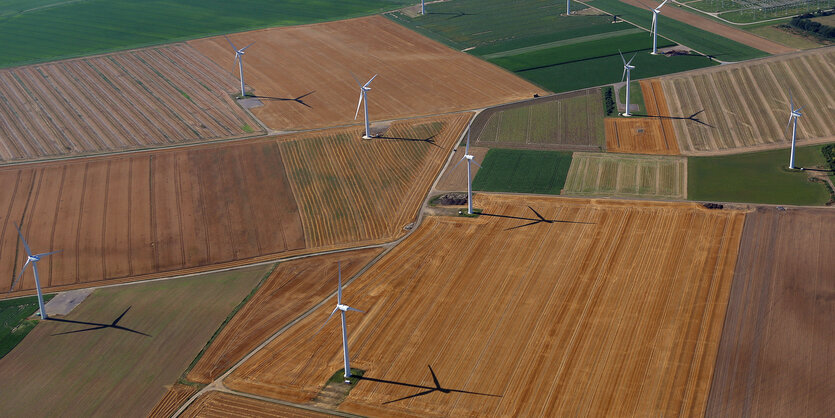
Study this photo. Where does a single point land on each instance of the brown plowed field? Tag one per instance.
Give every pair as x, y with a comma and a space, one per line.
456, 180
619, 315
639, 135
417, 76
293, 288
137, 99
776, 353
151, 214
745, 106
701, 22
221, 404
342, 201
176, 396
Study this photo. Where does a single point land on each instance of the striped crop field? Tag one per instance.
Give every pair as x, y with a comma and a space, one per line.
132, 100
570, 121
597, 174
745, 107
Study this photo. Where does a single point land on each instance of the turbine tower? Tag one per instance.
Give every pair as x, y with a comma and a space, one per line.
793, 115
469, 159
654, 30
422, 8
364, 100
342, 309
239, 58
627, 72
567, 7
33, 259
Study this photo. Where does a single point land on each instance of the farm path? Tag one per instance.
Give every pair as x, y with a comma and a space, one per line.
700, 22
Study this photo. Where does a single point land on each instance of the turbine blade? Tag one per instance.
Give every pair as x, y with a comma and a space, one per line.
467, 150
359, 103
22, 270
621, 57
49, 253
244, 48
230, 43
458, 163
339, 287
369, 81
25, 244
355, 310
652, 28
623, 75
791, 100
630, 60
324, 323
663, 3
356, 79
476, 163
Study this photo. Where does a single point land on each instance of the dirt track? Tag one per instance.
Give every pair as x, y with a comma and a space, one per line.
618, 317
176, 396
417, 76
694, 19
776, 353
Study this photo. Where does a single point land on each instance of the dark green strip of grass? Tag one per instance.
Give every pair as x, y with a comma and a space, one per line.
760, 177
523, 171
14, 324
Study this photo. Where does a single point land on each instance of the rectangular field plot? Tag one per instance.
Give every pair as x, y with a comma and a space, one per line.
314, 64
137, 99
523, 171
626, 176
222, 404
639, 135
775, 355
572, 121
115, 352
745, 106
613, 309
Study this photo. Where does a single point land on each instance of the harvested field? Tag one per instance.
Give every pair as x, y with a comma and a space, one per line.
125, 345
152, 214
569, 121
417, 76
616, 314
598, 174
221, 404
745, 106
176, 396
292, 288
145, 98
775, 356
456, 180
637, 135
341, 201
656, 105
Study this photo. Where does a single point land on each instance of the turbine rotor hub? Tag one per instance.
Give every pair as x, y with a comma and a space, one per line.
469, 157
34, 258
343, 308
796, 113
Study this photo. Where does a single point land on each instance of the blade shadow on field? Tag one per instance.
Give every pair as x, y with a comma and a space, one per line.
285, 99
97, 325
452, 15
427, 389
533, 221
430, 140
692, 118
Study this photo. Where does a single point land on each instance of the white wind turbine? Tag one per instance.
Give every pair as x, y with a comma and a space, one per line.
794, 114
627, 69
364, 100
342, 308
239, 58
469, 159
567, 7
33, 259
654, 30
422, 8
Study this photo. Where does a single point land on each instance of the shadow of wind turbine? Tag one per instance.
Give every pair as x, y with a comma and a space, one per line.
428, 389
97, 326
533, 221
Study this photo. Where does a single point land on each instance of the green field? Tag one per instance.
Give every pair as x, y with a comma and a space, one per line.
63, 28
759, 177
700, 40
115, 352
14, 322
523, 171
622, 175
636, 96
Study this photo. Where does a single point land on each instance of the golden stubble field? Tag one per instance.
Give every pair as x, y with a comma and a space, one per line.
417, 76
614, 309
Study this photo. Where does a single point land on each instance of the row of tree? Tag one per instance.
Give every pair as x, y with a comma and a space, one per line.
804, 22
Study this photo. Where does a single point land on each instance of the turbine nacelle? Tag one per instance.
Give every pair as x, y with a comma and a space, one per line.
33, 258
468, 156
796, 113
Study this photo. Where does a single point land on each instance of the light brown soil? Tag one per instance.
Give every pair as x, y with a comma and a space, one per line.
656, 105
416, 76
694, 19
221, 404
638, 135
456, 180
143, 98
745, 107
619, 317
775, 356
293, 288
173, 399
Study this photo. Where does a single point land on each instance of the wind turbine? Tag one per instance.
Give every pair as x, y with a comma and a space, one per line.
364, 100
422, 8
33, 259
627, 69
469, 159
239, 58
342, 308
567, 7
654, 29
793, 115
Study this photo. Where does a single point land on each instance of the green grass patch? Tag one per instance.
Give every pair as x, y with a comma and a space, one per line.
760, 177
73, 28
636, 96
703, 41
339, 376
246, 128
523, 171
14, 324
